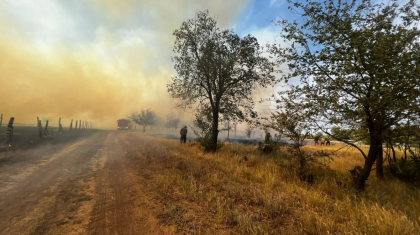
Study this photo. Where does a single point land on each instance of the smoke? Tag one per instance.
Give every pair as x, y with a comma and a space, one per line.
72, 86
96, 62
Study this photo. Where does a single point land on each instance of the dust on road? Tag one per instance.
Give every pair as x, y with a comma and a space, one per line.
91, 186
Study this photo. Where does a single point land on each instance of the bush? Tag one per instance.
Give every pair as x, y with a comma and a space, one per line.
204, 124
407, 169
206, 144
268, 147
303, 162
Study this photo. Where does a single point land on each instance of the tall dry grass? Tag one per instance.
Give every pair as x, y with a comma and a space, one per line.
222, 193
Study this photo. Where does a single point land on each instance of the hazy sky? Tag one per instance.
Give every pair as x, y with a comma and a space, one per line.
98, 60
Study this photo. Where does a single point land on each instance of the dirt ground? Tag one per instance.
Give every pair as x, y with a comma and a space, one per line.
92, 184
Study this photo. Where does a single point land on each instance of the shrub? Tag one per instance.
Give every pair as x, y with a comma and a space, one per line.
268, 147
407, 169
303, 162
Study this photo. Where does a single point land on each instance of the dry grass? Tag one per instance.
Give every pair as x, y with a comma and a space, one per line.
223, 194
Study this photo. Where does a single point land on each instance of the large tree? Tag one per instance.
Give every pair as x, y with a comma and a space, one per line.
354, 64
218, 70
144, 118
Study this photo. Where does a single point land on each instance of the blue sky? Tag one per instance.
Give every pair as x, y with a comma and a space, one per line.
260, 14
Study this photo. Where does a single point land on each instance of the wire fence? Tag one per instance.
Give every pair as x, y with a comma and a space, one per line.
43, 128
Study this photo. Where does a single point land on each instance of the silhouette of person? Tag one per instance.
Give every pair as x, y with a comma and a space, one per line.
183, 133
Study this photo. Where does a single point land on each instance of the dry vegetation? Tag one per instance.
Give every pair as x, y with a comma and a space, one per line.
222, 193
126, 182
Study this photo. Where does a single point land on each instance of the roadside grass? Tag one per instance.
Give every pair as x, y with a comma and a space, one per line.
223, 193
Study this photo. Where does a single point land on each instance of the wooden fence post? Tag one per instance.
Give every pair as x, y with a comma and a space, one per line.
71, 125
46, 128
80, 124
9, 132
60, 127
40, 130
76, 126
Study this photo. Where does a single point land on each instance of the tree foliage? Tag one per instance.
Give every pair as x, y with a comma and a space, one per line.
295, 125
357, 63
234, 126
172, 121
291, 124
249, 131
145, 118
203, 123
341, 133
217, 70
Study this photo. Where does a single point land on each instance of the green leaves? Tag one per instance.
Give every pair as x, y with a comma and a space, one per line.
354, 54
144, 118
217, 69
358, 65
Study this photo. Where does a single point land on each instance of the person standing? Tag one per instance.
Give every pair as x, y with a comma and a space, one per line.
183, 133
267, 138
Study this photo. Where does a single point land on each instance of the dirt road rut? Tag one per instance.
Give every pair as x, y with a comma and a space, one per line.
91, 186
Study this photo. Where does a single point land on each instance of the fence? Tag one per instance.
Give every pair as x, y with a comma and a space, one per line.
42, 131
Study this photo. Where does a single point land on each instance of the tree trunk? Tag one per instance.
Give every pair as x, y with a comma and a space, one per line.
380, 164
144, 129
375, 147
215, 130
393, 154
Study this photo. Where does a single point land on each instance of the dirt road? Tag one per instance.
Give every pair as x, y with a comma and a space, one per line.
93, 185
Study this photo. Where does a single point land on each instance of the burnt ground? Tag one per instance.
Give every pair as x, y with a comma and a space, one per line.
86, 183
26, 137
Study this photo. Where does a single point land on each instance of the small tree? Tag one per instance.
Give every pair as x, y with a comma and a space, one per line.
175, 123
218, 69
144, 118
294, 125
291, 125
235, 125
249, 131
227, 127
172, 121
158, 123
358, 66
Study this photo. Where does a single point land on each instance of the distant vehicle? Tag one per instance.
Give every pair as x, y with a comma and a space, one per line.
123, 124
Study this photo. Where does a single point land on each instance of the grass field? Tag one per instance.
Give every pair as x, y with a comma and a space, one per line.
223, 194
123, 182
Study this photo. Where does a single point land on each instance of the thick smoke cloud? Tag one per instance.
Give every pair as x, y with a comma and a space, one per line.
71, 86
94, 61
